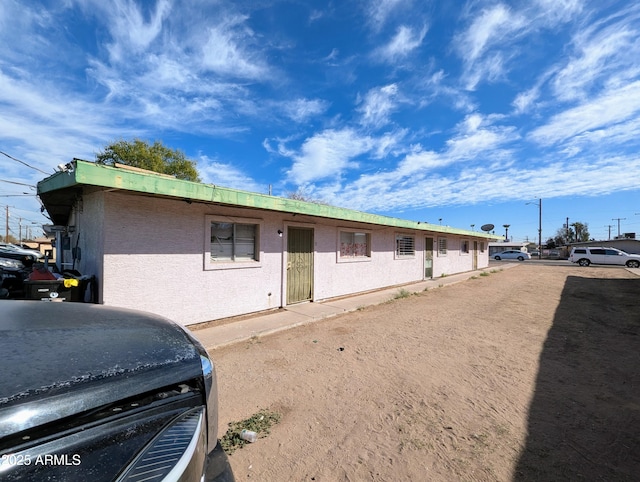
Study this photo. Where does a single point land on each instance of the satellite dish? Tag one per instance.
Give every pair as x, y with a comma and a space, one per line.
487, 227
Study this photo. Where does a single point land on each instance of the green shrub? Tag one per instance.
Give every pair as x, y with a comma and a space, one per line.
260, 423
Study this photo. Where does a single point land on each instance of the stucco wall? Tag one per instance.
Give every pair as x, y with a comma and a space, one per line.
154, 259
91, 233
335, 277
88, 233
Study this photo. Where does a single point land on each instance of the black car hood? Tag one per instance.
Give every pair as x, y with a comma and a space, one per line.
59, 359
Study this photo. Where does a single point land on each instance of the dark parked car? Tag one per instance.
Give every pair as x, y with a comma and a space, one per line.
12, 274
94, 393
25, 259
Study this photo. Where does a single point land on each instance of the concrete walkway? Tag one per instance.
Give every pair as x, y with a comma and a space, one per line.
299, 314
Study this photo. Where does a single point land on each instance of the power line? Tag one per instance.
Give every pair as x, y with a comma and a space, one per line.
24, 163
618, 219
18, 183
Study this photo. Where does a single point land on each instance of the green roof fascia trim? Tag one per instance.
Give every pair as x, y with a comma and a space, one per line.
92, 174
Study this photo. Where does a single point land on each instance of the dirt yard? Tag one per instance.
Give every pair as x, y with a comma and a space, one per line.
531, 373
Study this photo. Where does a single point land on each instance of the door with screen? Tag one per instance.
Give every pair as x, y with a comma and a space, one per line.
428, 258
299, 265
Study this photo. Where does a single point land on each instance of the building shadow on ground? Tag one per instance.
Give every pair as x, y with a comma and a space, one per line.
584, 418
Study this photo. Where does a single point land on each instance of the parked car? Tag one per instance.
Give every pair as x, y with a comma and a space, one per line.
89, 392
25, 259
12, 274
22, 249
10, 264
598, 255
512, 254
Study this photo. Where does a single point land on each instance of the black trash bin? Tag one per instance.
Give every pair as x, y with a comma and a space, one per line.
46, 290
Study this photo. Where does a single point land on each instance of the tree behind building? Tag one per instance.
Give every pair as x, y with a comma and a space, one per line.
153, 157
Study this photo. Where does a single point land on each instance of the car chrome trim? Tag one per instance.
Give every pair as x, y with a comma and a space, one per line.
176, 453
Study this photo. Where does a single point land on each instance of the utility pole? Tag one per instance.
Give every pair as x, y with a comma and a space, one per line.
6, 235
539, 204
618, 219
609, 226
540, 228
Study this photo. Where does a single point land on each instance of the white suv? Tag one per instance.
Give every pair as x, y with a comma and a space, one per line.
598, 255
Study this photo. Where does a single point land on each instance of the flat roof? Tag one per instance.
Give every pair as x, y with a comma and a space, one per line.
60, 191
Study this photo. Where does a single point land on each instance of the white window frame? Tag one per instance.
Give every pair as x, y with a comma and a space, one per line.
353, 258
442, 253
210, 264
398, 254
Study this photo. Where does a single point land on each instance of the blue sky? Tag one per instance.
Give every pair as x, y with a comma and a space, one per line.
447, 112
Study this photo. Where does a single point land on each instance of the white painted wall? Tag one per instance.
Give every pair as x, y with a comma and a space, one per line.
153, 258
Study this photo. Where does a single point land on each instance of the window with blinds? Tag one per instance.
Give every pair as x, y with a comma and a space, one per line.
233, 241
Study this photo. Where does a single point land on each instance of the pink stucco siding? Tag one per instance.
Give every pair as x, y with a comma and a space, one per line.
150, 253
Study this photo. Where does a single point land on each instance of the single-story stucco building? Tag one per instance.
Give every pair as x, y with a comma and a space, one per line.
198, 252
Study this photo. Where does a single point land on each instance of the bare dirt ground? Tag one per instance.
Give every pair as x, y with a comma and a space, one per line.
531, 373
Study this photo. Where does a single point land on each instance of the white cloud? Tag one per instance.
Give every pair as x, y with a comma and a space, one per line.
25, 23
495, 37
490, 28
390, 191
484, 30
610, 108
380, 10
300, 110
603, 50
224, 51
226, 175
328, 154
477, 138
377, 104
421, 161
390, 144
129, 29
558, 11
402, 44
525, 100
55, 126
